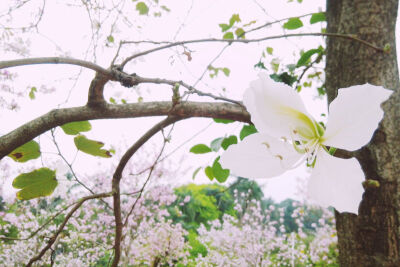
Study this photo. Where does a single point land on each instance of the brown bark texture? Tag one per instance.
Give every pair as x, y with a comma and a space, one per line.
373, 237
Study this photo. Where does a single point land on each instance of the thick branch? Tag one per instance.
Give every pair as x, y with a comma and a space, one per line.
118, 175
53, 60
58, 117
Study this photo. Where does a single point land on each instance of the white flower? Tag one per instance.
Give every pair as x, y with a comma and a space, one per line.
288, 136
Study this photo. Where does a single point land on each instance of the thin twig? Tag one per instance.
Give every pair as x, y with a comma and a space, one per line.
145, 183
209, 40
72, 170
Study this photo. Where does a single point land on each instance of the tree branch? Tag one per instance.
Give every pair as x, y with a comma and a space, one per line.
209, 40
54, 60
61, 227
58, 117
118, 175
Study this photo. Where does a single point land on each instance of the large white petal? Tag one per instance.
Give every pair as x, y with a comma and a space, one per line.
354, 116
336, 182
259, 156
274, 107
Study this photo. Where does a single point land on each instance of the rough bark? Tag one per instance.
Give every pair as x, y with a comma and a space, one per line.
373, 237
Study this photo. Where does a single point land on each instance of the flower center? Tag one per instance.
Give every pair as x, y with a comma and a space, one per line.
307, 138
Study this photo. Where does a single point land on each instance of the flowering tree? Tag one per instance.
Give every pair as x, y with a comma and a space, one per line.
371, 53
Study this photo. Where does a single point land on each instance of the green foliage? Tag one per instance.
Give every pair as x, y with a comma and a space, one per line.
27, 151
317, 17
270, 50
38, 183
230, 140
208, 202
305, 57
284, 77
224, 27
219, 173
222, 121
240, 33
228, 36
215, 144
32, 92
142, 8
200, 149
247, 130
91, 147
293, 24
214, 71
110, 39
197, 247
76, 127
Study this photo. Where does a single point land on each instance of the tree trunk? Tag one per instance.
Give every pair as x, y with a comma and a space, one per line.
373, 237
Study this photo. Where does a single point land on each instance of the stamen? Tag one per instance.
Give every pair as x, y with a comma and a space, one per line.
267, 145
279, 157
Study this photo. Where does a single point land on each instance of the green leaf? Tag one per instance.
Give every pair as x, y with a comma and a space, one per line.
91, 147
226, 71
38, 183
196, 172
234, 18
216, 144
260, 65
293, 24
142, 8
284, 77
112, 100
32, 93
317, 17
305, 57
110, 39
200, 149
27, 151
247, 130
209, 173
240, 33
166, 8
229, 141
74, 128
270, 50
224, 27
223, 121
220, 174
228, 35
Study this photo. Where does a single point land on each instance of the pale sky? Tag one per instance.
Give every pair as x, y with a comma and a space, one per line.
66, 32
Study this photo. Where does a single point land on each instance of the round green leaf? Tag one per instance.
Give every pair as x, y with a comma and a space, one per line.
38, 183
293, 24
27, 151
91, 147
200, 149
74, 128
142, 8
